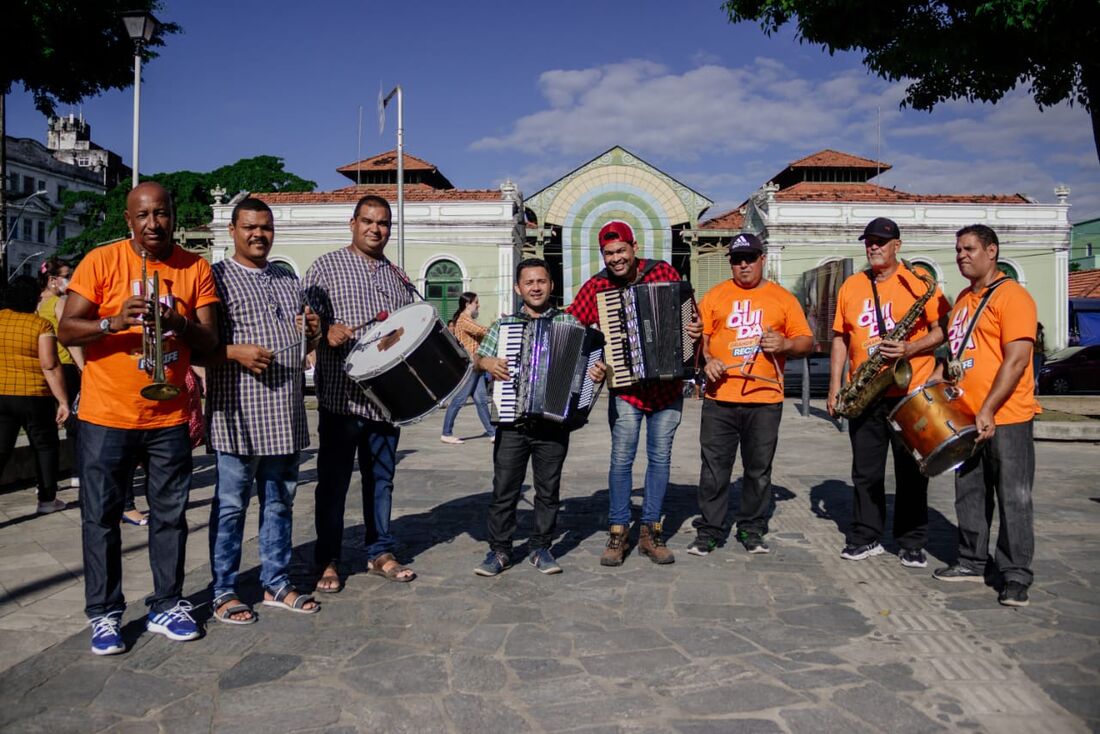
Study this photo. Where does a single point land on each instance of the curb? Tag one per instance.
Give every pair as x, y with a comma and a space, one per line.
1067, 431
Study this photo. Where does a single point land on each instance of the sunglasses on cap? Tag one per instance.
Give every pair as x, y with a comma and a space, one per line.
744, 258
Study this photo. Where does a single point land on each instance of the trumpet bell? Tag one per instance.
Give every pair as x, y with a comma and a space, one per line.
160, 391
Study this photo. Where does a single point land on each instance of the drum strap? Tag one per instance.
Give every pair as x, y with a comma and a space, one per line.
977, 314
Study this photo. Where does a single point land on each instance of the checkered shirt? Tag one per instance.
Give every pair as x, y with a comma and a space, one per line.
489, 344
344, 287
257, 415
651, 395
20, 371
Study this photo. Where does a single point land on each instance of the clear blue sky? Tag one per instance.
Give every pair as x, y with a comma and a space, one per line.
529, 91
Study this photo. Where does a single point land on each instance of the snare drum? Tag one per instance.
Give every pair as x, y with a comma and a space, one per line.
409, 364
936, 427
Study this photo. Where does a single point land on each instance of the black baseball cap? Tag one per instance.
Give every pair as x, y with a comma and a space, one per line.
745, 242
881, 227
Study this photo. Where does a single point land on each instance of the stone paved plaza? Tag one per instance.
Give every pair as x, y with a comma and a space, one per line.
795, 641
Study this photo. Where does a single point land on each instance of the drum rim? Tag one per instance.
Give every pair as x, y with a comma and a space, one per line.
905, 398
943, 445
423, 337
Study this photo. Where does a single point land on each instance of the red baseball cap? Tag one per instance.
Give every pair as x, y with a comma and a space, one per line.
616, 231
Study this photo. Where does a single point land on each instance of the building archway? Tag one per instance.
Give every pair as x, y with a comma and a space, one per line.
442, 286
1011, 269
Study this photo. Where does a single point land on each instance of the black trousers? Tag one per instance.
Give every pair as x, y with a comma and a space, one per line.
35, 415
545, 444
755, 427
871, 438
107, 460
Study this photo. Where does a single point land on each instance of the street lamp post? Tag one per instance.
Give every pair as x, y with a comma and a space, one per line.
15, 228
140, 26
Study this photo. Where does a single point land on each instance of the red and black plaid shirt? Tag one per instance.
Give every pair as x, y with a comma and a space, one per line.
650, 395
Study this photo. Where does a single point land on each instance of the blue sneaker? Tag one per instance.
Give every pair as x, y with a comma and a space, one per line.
493, 564
543, 561
175, 623
106, 637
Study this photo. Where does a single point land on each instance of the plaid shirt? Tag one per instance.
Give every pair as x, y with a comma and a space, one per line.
651, 395
257, 415
20, 371
344, 287
489, 344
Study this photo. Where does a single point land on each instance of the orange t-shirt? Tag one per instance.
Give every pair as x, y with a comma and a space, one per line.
734, 318
855, 318
1010, 315
113, 374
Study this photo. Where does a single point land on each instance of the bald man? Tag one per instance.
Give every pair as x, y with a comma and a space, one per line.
105, 313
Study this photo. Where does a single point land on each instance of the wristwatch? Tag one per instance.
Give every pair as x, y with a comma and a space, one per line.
105, 326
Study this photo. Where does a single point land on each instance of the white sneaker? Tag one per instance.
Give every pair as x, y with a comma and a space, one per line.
45, 508
74, 483
451, 439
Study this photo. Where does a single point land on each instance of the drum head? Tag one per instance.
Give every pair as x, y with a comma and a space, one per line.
951, 453
387, 342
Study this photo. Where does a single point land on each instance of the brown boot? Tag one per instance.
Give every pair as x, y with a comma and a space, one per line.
616, 546
651, 544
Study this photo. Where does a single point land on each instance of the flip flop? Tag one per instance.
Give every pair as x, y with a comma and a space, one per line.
297, 606
225, 616
333, 590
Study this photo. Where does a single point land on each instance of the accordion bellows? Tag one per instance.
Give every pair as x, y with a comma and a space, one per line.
645, 328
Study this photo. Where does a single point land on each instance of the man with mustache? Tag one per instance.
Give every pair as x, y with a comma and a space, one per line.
868, 305
257, 416
656, 403
105, 315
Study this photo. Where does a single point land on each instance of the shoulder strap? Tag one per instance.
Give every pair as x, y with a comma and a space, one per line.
878, 308
977, 313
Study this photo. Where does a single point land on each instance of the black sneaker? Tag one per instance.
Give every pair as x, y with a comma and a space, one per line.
702, 545
753, 542
957, 572
859, 552
914, 558
1014, 594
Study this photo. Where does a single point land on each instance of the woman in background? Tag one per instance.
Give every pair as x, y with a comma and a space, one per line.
469, 332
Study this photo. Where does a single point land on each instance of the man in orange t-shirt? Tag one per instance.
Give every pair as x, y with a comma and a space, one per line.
105, 314
858, 332
750, 327
997, 382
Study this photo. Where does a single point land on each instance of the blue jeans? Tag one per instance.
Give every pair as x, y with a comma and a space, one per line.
626, 426
275, 479
107, 460
341, 438
1001, 473
475, 385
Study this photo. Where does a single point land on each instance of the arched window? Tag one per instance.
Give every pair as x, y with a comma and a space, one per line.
923, 266
443, 286
1008, 270
283, 265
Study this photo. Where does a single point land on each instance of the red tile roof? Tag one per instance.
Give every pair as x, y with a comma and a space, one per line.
869, 192
387, 162
733, 219
1084, 284
829, 158
352, 194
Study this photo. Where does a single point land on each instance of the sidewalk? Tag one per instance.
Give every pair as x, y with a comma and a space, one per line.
795, 641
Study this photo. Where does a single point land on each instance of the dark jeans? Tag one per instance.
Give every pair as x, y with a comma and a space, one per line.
35, 415
341, 437
107, 460
545, 444
725, 425
871, 438
1002, 471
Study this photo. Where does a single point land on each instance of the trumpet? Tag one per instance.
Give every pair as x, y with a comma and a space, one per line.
153, 342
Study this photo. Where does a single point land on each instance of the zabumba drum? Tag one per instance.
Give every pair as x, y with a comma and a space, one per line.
936, 427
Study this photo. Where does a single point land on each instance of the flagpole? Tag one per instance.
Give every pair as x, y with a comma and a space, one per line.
400, 168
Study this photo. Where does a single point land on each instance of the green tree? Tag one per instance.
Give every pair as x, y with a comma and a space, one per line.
956, 49
62, 51
101, 215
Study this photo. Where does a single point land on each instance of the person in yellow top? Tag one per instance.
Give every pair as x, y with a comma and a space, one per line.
996, 382
32, 391
53, 279
868, 305
750, 326
469, 333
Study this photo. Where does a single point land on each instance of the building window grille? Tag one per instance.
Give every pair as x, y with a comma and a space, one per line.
443, 286
42, 232
27, 230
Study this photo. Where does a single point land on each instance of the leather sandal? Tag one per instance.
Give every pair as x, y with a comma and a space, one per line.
377, 567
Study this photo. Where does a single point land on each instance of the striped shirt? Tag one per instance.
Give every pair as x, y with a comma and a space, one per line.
257, 415
344, 287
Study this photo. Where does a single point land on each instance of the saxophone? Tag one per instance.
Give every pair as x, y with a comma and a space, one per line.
874, 377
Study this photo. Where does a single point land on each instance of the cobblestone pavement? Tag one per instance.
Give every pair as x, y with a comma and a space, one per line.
795, 641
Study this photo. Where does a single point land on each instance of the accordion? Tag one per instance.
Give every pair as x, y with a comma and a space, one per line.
548, 362
644, 326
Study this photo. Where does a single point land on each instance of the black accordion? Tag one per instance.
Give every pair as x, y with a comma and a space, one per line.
549, 362
644, 327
